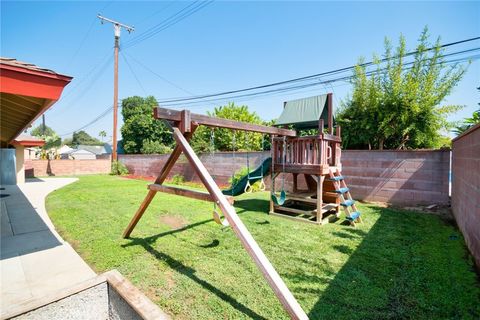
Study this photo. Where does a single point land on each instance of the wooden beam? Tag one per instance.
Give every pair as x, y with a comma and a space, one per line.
177, 151
270, 274
199, 195
175, 115
331, 137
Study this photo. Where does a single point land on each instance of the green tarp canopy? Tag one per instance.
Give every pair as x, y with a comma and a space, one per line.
304, 113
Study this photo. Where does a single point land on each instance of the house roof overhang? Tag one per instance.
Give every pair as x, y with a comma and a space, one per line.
26, 91
28, 141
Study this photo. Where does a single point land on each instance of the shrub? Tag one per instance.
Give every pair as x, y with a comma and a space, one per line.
118, 169
154, 147
178, 179
239, 174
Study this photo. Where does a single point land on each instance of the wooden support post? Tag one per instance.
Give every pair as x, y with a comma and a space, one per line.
185, 123
320, 127
330, 112
320, 180
295, 182
270, 274
177, 151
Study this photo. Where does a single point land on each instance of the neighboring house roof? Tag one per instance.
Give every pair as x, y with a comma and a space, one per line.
93, 149
64, 149
25, 65
27, 91
28, 141
79, 151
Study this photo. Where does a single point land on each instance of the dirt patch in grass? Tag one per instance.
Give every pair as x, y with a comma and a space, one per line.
174, 222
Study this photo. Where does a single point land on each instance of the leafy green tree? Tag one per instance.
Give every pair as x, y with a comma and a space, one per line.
226, 139
398, 104
140, 127
68, 142
81, 137
51, 138
468, 122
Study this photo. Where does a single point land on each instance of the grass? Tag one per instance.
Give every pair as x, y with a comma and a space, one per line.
395, 265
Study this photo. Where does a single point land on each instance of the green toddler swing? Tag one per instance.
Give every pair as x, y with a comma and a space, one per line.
283, 196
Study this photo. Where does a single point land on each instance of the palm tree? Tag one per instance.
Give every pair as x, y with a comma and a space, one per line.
102, 134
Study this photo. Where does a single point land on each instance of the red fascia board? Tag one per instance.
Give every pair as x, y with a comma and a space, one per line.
28, 143
32, 84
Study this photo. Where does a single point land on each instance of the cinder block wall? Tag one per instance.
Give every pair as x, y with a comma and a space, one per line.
221, 165
44, 168
466, 187
403, 177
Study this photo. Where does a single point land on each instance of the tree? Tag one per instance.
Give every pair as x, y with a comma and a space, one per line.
468, 122
397, 105
141, 128
42, 131
102, 134
81, 137
51, 138
224, 138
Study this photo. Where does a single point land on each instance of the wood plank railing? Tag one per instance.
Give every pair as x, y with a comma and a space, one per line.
309, 150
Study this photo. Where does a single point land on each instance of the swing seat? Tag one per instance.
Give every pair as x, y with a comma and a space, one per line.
279, 201
249, 187
218, 220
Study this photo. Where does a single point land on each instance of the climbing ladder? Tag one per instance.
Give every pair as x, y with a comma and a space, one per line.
348, 204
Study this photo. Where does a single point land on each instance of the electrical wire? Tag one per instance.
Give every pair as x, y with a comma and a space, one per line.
133, 73
93, 76
302, 86
298, 87
157, 74
184, 13
86, 36
309, 77
96, 119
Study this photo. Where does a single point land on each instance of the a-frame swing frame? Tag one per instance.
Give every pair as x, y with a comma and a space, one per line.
183, 125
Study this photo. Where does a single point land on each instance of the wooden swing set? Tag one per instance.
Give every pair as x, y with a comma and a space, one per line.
183, 125
316, 157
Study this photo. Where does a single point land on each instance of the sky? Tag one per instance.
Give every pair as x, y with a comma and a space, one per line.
226, 45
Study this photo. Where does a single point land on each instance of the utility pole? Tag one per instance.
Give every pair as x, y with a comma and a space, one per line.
117, 26
43, 124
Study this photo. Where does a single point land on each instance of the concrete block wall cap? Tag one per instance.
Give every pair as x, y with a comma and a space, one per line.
469, 131
391, 150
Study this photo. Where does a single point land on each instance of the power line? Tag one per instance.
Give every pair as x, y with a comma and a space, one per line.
133, 73
158, 75
302, 86
309, 77
155, 13
96, 119
298, 87
167, 23
94, 76
86, 35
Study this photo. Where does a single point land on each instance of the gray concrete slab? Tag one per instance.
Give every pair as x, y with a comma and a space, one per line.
34, 259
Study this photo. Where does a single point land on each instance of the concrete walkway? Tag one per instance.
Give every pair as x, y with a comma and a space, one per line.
34, 259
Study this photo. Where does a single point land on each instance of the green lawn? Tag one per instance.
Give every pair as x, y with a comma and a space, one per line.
395, 265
